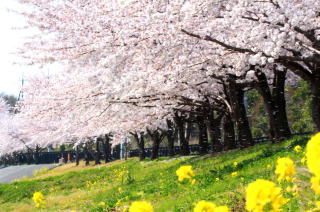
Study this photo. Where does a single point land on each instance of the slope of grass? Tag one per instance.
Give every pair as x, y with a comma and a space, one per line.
112, 187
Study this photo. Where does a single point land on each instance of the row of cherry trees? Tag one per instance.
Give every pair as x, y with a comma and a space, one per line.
139, 67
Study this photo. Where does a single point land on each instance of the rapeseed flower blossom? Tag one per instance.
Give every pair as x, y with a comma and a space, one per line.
204, 206
102, 204
221, 209
317, 206
185, 172
293, 190
192, 181
315, 184
233, 174
118, 202
217, 179
235, 164
141, 206
313, 155
261, 193
298, 148
38, 199
288, 189
285, 169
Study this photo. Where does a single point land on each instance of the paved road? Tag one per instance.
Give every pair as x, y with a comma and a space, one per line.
11, 173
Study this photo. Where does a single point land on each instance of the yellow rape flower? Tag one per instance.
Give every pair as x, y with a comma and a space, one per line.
235, 164
297, 148
288, 189
242, 179
269, 166
204, 206
217, 179
118, 202
222, 209
313, 155
315, 184
293, 190
141, 206
303, 160
233, 174
38, 199
317, 206
285, 169
263, 192
184, 172
102, 204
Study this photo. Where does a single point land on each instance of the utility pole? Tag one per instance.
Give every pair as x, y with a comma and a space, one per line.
20, 97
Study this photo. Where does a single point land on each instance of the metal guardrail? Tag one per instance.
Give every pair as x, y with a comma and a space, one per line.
49, 157
194, 148
53, 157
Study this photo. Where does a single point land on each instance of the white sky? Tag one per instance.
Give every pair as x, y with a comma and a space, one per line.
10, 40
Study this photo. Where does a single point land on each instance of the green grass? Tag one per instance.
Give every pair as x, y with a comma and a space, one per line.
113, 187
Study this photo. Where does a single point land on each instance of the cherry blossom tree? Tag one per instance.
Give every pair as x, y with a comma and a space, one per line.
9, 131
282, 31
131, 65
122, 46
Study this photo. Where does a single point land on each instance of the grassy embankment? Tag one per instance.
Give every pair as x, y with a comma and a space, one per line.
113, 186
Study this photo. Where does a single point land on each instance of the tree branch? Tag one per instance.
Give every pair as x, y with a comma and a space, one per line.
211, 39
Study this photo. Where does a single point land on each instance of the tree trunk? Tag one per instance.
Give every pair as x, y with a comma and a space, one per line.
228, 133
77, 156
86, 154
184, 145
280, 104
275, 104
107, 148
125, 150
29, 156
37, 155
155, 149
142, 153
264, 90
188, 131
156, 137
312, 76
98, 153
170, 137
236, 97
244, 131
140, 143
215, 131
93, 154
203, 135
